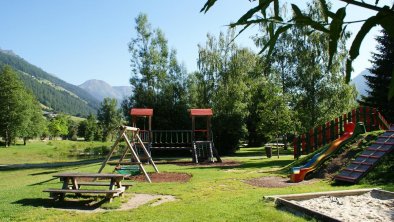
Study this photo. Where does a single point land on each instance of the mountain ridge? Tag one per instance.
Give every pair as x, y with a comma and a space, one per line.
100, 89
50, 90
361, 83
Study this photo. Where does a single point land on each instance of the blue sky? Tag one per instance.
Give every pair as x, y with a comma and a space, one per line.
78, 40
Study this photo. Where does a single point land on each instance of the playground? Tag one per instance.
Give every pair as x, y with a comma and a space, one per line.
179, 189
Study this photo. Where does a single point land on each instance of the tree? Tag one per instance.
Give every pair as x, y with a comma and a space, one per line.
223, 82
332, 23
109, 117
318, 93
298, 62
274, 117
17, 108
35, 124
72, 130
58, 126
88, 128
158, 79
378, 82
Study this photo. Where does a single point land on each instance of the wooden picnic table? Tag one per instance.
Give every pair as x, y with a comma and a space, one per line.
72, 183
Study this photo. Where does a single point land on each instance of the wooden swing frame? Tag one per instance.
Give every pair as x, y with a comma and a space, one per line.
130, 147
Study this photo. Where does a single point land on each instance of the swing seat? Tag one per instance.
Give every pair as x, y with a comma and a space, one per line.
129, 170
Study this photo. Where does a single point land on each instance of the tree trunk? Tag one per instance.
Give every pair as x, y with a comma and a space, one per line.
6, 139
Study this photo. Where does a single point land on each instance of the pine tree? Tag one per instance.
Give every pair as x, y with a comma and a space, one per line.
378, 82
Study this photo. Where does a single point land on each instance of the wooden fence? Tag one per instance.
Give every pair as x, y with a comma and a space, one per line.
172, 138
330, 131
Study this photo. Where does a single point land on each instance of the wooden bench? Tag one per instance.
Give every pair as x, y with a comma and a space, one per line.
72, 183
87, 183
59, 193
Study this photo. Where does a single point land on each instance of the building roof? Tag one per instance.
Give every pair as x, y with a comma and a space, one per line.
141, 112
200, 112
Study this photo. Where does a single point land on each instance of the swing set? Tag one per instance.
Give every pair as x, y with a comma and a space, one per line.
140, 143
198, 141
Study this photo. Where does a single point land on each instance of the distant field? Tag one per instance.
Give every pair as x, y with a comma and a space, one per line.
77, 119
215, 193
50, 151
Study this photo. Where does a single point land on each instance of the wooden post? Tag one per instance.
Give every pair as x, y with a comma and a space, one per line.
193, 128
332, 130
112, 150
209, 128
303, 143
307, 143
150, 129
316, 138
134, 154
295, 145
320, 133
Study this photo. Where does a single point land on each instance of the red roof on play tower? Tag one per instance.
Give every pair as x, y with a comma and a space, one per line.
201, 112
141, 112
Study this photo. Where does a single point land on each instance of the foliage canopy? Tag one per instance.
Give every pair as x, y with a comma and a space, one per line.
332, 23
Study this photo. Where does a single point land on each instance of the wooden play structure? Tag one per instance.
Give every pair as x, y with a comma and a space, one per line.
198, 141
126, 132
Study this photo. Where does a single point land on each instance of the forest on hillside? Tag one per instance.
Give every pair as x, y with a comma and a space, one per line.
51, 91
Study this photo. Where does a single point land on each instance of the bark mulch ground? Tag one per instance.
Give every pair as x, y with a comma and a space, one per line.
275, 182
163, 177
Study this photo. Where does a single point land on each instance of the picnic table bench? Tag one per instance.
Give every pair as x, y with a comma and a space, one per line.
72, 183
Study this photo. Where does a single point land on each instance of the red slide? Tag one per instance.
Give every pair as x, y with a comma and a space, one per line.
299, 173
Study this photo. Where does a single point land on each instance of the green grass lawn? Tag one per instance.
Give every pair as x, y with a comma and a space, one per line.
212, 194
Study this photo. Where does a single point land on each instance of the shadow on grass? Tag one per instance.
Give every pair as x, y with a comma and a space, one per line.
249, 152
89, 204
43, 182
259, 152
44, 173
48, 165
263, 164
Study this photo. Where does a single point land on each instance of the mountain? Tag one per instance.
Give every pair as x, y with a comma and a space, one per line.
360, 82
51, 92
100, 90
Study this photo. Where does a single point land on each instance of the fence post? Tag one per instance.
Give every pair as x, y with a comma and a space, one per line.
307, 143
328, 137
375, 119
316, 137
353, 115
312, 139
295, 147
320, 136
332, 130
300, 151
341, 125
